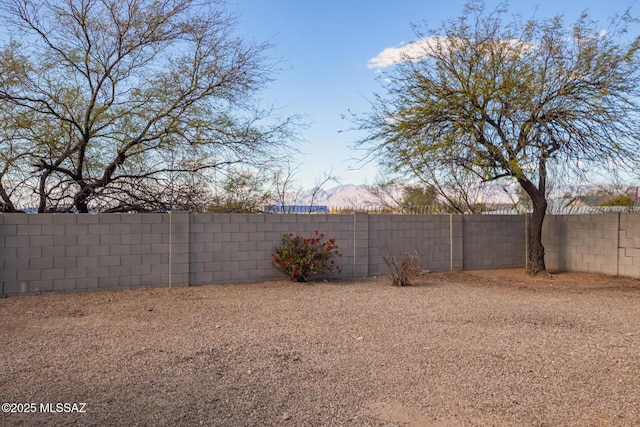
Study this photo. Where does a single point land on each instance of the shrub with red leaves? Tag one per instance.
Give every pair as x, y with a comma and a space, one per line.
301, 257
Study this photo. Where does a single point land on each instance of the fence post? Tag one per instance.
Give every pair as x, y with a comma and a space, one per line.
526, 243
618, 243
456, 242
179, 248
451, 242
360, 244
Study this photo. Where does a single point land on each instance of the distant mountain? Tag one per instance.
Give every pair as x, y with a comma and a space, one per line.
349, 195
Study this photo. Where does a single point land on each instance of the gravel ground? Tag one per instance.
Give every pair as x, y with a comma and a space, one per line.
481, 348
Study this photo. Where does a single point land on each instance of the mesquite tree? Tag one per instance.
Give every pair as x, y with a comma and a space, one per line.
502, 98
118, 105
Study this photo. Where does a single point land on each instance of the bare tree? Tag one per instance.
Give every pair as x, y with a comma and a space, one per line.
110, 98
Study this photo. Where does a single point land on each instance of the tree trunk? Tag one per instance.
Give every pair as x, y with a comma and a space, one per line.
82, 197
535, 249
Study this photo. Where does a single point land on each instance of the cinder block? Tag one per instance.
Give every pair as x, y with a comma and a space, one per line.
230, 247
40, 219
256, 218
214, 227
130, 281
29, 230
241, 256
239, 276
201, 218
140, 270
160, 248
221, 276
81, 229
76, 273
120, 229
131, 219
239, 218
152, 280
202, 278
180, 238
195, 229
88, 261
110, 239
109, 260
40, 285
97, 250
41, 241
120, 250
37, 264
265, 226
28, 275
106, 218
152, 238
53, 273
248, 227
151, 259
230, 227
64, 262
66, 240
76, 251
177, 269
64, 284
140, 249
15, 218
153, 218
99, 271
64, 218
88, 283
97, 229
203, 238
179, 258
240, 237
160, 228
53, 229
109, 282
87, 219
120, 271
128, 259
88, 240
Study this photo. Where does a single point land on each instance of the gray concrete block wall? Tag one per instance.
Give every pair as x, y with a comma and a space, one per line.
233, 248
66, 252
178, 248
493, 241
629, 245
586, 243
429, 235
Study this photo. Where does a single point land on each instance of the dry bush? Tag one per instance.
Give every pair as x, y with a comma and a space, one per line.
403, 268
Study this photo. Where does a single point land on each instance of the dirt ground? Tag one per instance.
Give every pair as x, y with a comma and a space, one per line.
476, 348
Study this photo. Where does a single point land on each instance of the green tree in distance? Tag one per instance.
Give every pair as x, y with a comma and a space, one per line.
110, 102
505, 98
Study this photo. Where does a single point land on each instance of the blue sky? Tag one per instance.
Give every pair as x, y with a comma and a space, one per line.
326, 47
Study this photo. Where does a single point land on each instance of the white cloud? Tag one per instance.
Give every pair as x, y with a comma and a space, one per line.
408, 52
434, 46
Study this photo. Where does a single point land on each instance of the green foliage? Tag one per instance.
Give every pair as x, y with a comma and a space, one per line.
117, 105
302, 257
490, 97
240, 192
420, 198
621, 200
